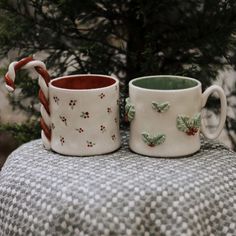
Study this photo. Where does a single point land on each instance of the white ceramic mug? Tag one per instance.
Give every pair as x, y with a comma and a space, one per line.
80, 113
165, 115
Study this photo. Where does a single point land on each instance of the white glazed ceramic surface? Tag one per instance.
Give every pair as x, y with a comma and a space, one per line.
181, 102
84, 121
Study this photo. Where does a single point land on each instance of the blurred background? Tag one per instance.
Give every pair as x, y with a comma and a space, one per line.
126, 38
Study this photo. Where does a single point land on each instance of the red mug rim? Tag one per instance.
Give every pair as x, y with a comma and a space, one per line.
83, 82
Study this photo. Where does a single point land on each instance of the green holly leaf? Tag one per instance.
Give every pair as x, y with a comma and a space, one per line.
145, 137
127, 104
197, 120
129, 110
159, 139
189, 125
161, 106
154, 140
183, 123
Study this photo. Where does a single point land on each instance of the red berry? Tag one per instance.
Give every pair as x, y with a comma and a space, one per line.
151, 145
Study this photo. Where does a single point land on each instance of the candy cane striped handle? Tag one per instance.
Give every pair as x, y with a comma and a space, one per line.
44, 78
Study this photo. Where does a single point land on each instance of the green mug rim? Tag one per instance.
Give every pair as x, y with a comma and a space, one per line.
196, 83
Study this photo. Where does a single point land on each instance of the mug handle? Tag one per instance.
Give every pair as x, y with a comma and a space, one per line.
44, 79
223, 107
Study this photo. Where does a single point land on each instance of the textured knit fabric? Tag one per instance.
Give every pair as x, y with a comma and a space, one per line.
122, 193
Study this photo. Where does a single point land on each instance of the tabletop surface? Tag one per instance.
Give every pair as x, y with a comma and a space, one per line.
122, 193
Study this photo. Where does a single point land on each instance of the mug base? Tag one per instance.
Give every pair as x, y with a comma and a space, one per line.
77, 154
164, 154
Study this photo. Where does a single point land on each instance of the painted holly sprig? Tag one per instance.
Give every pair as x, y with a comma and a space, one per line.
129, 110
56, 100
90, 144
63, 119
189, 125
161, 107
84, 115
153, 140
72, 103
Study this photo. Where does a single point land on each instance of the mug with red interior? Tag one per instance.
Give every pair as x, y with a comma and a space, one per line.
80, 113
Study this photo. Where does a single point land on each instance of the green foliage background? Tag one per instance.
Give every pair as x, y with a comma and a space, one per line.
131, 38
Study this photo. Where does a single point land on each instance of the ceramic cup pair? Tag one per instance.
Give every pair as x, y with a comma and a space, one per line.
80, 113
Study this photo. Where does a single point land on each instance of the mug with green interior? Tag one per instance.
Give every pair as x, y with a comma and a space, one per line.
165, 115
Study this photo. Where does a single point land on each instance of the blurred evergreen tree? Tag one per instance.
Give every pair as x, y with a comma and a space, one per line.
128, 38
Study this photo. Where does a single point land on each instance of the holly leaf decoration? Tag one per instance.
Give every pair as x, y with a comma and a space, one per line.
183, 123
129, 110
154, 140
197, 120
161, 106
189, 125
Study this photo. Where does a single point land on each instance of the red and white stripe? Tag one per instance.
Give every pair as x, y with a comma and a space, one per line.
44, 79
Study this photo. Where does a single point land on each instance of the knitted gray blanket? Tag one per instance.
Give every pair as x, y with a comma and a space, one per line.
123, 193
